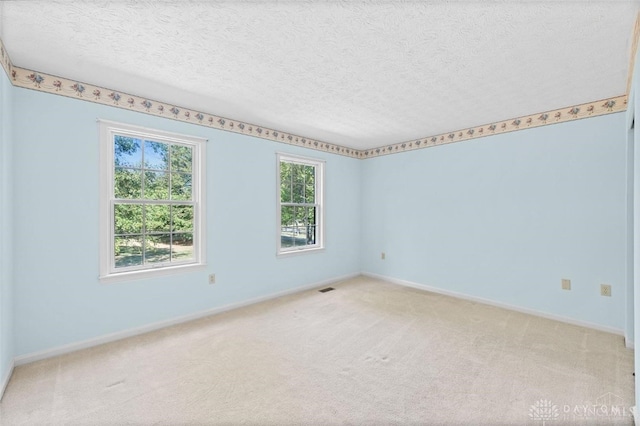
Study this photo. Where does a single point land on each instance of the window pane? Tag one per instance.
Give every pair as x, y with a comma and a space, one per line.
156, 155
156, 185
300, 236
297, 174
182, 218
285, 170
311, 225
311, 234
285, 192
181, 158
285, 183
157, 218
298, 193
128, 251
297, 226
300, 220
285, 173
305, 220
157, 248
181, 186
286, 228
127, 152
310, 191
286, 215
300, 215
128, 183
311, 215
286, 237
309, 184
128, 218
308, 173
182, 247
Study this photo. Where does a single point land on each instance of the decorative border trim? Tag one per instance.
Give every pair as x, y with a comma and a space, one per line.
119, 335
591, 109
28, 79
4, 59
489, 302
42, 82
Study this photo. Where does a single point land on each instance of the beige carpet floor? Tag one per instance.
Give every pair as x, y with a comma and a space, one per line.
368, 352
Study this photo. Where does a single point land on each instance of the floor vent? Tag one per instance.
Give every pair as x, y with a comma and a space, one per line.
324, 290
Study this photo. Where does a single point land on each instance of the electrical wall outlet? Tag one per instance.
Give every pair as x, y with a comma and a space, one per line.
566, 284
605, 290
212, 278
383, 256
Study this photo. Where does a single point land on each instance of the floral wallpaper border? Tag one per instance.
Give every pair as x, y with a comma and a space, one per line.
4, 59
70, 88
590, 109
29, 79
635, 38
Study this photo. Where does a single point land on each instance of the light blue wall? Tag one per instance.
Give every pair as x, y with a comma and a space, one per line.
634, 107
629, 332
506, 217
58, 299
636, 243
503, 218
6, 226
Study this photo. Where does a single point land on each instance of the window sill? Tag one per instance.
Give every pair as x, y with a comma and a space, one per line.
150, 273
300, 251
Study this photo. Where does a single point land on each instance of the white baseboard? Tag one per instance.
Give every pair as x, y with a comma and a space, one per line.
5, 380
72, 347
628, 343
48, 353
497, 304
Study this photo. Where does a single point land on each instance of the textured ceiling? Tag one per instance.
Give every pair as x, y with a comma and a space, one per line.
359, 74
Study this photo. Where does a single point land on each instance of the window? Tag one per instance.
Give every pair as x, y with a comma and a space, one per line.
300, 209
152, 202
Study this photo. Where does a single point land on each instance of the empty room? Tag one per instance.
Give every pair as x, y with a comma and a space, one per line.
319, 212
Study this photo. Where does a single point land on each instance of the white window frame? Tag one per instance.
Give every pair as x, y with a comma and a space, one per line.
108, 130
319, 203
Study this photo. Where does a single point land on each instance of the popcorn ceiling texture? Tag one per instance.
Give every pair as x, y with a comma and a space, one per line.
357, 74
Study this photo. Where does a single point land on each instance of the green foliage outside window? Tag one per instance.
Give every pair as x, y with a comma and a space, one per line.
153, 181
297, 198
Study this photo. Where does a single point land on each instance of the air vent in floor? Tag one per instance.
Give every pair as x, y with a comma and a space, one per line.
324, 290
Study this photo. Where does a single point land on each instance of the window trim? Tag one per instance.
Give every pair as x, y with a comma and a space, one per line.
107, 131
320, 201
